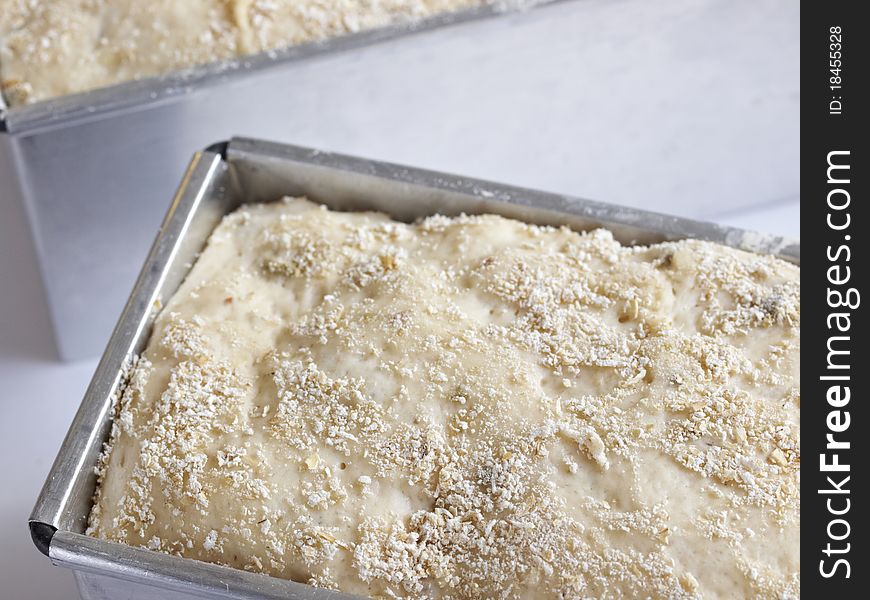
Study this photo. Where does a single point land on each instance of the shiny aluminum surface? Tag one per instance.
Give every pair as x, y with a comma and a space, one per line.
217, 181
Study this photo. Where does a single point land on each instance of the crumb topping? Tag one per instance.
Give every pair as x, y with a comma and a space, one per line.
467, 407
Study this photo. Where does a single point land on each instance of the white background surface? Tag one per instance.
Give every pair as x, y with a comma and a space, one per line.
40, 395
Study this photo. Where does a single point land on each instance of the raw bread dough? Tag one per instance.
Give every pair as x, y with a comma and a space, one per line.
467, 407
52, 48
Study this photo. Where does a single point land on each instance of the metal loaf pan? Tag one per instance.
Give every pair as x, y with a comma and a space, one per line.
218, 180
98, 103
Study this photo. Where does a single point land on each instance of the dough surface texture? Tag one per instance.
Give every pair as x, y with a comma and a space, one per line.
467, 407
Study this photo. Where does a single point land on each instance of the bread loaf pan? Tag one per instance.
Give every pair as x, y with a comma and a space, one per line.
218, 180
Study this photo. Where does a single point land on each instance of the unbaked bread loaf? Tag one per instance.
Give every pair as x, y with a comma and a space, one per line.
467, 407
52, 48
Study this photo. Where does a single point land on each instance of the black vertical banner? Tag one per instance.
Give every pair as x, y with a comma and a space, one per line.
834, 422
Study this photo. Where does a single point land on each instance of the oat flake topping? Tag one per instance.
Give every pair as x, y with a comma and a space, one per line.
467, 407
